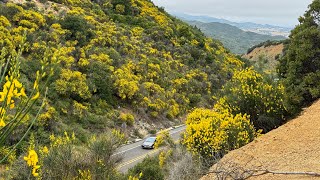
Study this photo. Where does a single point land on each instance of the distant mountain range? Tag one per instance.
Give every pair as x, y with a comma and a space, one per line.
235, 39
246, 26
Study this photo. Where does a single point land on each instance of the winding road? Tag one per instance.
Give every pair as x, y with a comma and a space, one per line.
132, 154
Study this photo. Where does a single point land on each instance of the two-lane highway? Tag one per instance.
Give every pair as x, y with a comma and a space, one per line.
133, 153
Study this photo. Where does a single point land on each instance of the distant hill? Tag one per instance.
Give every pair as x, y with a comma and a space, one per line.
235, 39
246, 26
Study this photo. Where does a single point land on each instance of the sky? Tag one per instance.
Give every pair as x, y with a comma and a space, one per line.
274, 12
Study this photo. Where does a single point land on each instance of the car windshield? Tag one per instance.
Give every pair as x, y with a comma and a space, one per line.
150, 139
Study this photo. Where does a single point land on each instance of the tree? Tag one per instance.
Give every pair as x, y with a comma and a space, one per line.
300, 66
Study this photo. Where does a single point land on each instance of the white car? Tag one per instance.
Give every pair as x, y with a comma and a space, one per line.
149, 143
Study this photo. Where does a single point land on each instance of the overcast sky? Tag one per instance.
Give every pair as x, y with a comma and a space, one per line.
275, 12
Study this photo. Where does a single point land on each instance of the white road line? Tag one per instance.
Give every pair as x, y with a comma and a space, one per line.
126, 150
137, 158
140, 157
138, 146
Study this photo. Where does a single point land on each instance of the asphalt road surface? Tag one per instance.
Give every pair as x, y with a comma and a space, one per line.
132, 154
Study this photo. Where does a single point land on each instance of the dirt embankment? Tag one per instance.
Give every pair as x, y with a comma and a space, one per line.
270, 52
269, 55
293, 147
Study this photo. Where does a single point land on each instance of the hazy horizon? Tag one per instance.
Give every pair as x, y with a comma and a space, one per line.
274, 12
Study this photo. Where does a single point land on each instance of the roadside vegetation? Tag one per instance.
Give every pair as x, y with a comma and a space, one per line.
118, 65
114, 64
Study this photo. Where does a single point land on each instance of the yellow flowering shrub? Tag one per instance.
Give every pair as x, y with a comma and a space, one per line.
127, 118
63, 55
135, 177
84, 175
248, 92
163, 156
163, 138
56, 141
79, 109
30, 19
72, 83
211, 132
148, 9
126, 81
152, 88
173, 109
44, 150
12, 90
4, 22
57, 32
47, 115
4, 150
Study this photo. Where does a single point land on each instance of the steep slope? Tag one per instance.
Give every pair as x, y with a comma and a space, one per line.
122, 64
235, 39
293, 147
266, 55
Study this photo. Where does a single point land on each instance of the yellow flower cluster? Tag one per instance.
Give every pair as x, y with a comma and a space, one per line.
30, 19
209, 132
148, 9
250, 88
163, 156
72, 82
11, 89
32, 160
84, 174
61, 140
126, 81
134, 177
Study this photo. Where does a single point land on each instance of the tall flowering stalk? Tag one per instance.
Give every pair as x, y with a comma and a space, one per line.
15, 103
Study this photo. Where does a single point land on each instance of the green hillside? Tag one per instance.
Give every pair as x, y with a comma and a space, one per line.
101, 73
233, 38
116, 63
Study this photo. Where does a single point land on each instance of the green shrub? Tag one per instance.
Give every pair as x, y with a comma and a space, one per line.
66, 160
149, 168
79, 28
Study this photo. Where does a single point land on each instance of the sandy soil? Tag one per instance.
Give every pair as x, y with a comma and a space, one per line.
293, 147
270, 52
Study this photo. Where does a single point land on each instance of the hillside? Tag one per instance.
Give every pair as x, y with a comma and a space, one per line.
120, 64
235, 39
265, 29
293, 147
265, 56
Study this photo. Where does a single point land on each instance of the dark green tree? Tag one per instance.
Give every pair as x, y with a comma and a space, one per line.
79, 28
300, 66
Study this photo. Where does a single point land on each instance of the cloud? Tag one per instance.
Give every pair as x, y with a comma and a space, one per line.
280, 12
